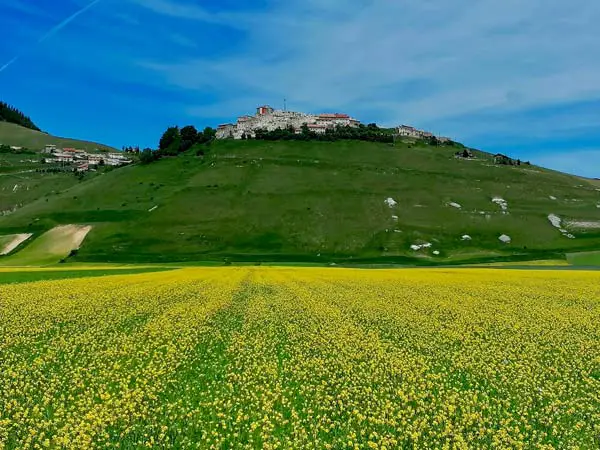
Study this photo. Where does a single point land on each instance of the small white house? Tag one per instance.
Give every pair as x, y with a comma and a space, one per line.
49, 149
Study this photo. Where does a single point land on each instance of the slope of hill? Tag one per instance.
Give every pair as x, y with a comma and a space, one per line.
317, 201
15, 135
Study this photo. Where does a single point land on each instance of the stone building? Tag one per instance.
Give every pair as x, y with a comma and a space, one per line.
270, 119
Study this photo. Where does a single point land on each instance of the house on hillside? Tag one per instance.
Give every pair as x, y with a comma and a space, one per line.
317, 128
49, 149
466, 153
225, 131
64, 157
408, 131
499, 158
337, 119
95, 159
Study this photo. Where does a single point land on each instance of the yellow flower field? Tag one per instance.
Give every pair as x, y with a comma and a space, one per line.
289, 358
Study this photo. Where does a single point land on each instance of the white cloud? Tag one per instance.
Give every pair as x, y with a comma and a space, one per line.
492, 54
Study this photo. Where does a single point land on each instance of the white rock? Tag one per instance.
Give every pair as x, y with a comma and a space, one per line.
466, 237
503, 204
395, 218
506, 239
455, 205
586, 224
417, 247
555, 220
436, 252
390, 202
552, 197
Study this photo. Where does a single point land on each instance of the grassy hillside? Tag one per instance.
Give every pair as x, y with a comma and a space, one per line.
311, 201
15, 135
21, 184
49, 248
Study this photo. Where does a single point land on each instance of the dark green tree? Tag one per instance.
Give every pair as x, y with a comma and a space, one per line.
169, 137
189, 136
170, 142
13, 115
209, 133
147, 156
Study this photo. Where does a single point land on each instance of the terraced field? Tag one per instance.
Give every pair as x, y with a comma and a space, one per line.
261, 357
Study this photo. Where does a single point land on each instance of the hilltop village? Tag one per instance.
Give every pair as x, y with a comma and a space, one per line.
270, 119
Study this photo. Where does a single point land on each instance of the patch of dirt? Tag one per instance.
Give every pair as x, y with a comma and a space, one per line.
17, 239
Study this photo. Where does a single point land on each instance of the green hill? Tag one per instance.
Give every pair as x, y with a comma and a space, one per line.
16, 135
319, 201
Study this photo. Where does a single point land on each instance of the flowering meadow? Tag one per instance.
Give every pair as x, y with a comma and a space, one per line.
294, 358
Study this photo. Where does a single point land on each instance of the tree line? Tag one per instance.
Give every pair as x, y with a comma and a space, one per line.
11, 114
177, 140
370, 133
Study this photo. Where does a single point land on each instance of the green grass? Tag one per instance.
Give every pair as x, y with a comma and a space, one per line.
48, 275
15, 135
49, 248
313, 202
584, 258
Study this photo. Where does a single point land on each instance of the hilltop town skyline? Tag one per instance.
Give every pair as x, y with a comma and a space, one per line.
201, 63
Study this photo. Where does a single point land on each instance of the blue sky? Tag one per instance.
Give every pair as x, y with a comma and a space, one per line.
515, 76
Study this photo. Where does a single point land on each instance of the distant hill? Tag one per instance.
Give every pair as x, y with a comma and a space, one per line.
345, 201
16, 135
11, 114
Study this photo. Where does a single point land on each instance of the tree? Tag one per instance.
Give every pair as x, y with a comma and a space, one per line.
189, 136
209, 133
170, 141
189, 133
147, 156
206, 136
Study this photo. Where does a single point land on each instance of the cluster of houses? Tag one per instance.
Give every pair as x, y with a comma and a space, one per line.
81, 160
412, 132
270, 119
